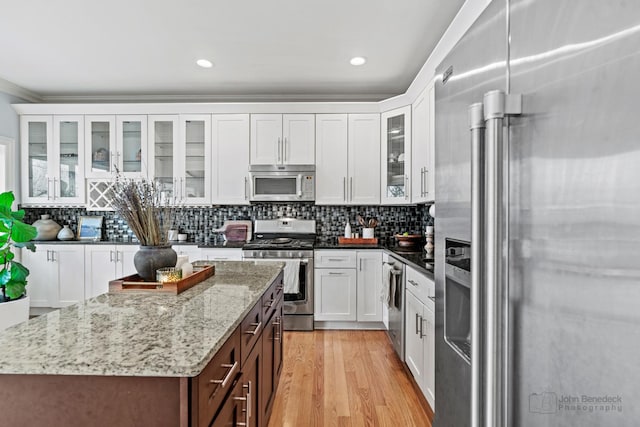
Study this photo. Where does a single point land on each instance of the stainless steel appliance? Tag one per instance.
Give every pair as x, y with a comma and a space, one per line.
290, 241
541, 176
394, 281
282, 183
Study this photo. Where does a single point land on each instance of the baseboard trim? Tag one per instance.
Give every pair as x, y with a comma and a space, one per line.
376, 326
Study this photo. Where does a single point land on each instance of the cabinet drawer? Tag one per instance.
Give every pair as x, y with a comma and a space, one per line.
217, 379
210, 254
421, 286
335, 259
271, 297
250, 330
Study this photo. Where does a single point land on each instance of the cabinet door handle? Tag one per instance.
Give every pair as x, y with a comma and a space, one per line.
55, 181
245, 188
406, 186
48, 185
422, 334
256, 330
53, 256
417, 321
412, 282
110, 256
278, 150
432, 298
118, 256
280, 288
426, 181
225, 381
344, 188
247, 410
48, 257
269, 304
351, 189
360, 266
284, 150
278, 332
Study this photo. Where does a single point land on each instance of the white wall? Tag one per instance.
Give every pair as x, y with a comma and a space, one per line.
9, 133
469, 12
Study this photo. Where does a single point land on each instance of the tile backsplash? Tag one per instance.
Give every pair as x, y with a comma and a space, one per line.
198, 222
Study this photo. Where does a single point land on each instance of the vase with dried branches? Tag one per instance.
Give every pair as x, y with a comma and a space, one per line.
139, 202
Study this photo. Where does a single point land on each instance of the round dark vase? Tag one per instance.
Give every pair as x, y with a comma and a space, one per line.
150, 258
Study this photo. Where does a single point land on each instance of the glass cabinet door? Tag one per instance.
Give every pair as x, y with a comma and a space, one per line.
69, 145
36, 134
132, 134
163, 136
396, 155
194, 180
100, 135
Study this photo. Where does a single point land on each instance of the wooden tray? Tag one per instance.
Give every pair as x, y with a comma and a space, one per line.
359, 241
134, 283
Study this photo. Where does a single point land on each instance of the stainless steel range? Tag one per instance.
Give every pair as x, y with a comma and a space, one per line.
290, 241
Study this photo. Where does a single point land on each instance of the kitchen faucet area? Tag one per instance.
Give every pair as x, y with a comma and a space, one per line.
284, 213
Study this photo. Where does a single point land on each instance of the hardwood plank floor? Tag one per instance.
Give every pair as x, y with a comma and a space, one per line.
344, 378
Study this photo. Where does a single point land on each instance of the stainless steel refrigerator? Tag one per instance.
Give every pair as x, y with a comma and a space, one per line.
538, 268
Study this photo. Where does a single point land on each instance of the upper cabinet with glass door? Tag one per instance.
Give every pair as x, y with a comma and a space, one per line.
193, 167
52, 170
164, 152
116, 142
396, 156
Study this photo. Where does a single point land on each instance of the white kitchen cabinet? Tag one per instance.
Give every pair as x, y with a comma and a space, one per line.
332, 171
335, 296
420, 332
116, 142
192, 251
221, 254
369, 280
347, 286
52, 160
423, 147
105, 262
282, 139
230, 159
395, 156
347, 159
164, 150
56, 274
193, 168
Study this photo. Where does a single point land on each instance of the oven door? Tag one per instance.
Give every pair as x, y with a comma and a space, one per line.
300, 302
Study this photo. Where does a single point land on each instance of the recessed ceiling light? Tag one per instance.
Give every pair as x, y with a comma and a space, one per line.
204, 63
358, 60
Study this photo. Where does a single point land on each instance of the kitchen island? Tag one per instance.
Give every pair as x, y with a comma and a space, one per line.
129, 359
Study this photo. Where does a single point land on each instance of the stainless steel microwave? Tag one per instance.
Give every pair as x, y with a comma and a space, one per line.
282, 183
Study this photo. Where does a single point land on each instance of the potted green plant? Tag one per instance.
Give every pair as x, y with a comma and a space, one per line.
141, 204
14, 301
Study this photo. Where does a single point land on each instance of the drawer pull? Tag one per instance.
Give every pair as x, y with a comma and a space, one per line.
333, 273
225, 381
256, 330
432, 298
269, 304
247, 410
337, 259
280, 288
412, 282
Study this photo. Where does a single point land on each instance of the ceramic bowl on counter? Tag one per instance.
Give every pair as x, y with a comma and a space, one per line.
408, 240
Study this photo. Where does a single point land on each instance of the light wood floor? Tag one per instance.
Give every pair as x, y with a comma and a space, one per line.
344, 378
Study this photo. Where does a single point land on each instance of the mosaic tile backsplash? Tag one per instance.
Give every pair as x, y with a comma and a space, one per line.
198, 222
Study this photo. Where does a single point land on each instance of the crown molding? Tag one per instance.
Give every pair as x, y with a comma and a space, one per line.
358, 97
18, 91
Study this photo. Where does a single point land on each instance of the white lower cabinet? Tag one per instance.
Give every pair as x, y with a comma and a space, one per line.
420, 332
104, 263
369, 286
221, 254
347, 286
192, 251
335, 294
56, 274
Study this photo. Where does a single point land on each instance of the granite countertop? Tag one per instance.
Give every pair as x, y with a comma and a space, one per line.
127, 334
221, 245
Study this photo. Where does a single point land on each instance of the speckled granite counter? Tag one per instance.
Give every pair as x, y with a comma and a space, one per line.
139, 334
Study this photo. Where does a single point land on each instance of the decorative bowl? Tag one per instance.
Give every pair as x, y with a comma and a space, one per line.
410, 240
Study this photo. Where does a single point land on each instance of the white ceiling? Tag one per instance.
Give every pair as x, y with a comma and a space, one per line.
295, 49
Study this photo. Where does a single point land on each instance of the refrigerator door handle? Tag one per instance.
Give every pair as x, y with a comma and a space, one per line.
495, 289
477, 129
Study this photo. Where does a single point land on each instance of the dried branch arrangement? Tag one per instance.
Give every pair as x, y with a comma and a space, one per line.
139, 203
